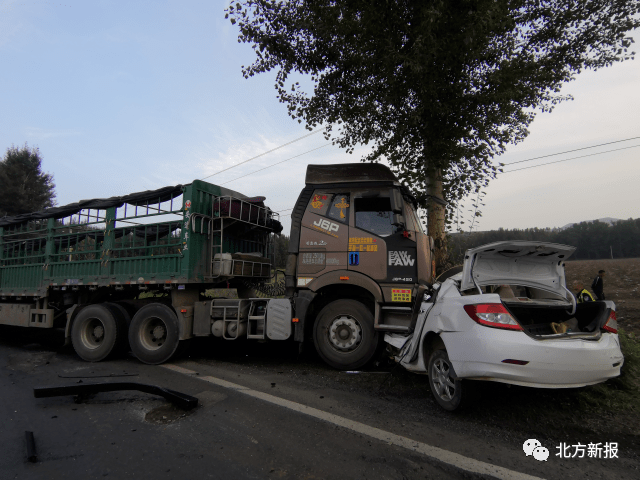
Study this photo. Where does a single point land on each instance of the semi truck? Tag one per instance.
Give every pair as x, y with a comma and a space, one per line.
139, 271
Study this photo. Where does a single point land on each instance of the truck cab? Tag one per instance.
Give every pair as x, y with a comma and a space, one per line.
358, 260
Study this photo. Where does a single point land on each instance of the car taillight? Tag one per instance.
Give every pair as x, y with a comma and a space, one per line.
492, 315
612, 323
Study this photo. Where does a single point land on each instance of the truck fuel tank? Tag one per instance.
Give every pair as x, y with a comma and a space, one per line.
253, 318
217, 328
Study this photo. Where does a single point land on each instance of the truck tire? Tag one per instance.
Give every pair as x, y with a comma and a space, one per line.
95, 332
445, 384
124, 320
344, 335
153, 333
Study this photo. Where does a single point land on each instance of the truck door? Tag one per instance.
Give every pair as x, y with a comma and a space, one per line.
324, 235
381, 250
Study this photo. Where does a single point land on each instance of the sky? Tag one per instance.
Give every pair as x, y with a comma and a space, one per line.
124, 96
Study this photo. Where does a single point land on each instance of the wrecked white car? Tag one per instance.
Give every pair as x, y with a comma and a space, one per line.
508, 317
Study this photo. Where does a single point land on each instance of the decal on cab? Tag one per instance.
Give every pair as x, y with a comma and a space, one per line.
325, 226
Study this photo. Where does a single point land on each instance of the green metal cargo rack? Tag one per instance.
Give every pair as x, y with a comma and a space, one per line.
113, 241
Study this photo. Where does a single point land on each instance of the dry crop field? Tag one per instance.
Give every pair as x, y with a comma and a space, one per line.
621, 284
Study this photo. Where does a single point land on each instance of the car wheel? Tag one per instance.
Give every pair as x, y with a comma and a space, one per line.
445, 386
153, 333
96, 330
344, 336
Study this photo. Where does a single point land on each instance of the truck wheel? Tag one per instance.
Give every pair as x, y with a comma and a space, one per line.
153, 333
94, 333
445, 386
124, 319
344, 335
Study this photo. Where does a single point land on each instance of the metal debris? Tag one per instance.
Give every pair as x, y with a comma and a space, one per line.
182, 400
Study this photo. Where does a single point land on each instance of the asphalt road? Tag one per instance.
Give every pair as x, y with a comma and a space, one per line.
265, 412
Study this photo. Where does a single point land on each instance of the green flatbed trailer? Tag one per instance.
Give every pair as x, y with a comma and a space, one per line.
170, 244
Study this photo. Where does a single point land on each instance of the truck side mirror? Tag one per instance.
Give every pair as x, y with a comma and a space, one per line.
396, 200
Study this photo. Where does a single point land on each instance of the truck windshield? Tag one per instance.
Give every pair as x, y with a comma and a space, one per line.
374, 215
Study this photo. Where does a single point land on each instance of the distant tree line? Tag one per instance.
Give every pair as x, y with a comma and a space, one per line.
594, 240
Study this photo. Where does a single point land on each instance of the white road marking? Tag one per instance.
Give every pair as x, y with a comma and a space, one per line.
439, 454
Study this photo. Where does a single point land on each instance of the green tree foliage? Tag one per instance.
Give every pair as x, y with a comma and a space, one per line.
433, 85
594, 240
24, 187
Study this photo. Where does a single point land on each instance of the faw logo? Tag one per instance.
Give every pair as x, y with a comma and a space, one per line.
400, 259
326, 226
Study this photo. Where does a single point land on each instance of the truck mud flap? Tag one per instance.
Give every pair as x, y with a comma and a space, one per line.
181, 400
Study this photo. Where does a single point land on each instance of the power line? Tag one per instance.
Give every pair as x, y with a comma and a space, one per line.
277, 163
569, 151
284, 210
509, 171
543, 164
318, 131
573, 158
262, 154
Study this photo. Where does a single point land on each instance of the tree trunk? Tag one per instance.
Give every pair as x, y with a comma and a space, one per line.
435, 221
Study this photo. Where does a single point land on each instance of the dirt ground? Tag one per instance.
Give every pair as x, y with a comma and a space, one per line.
621, 284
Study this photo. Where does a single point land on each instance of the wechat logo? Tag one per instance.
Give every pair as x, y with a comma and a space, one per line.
535, 448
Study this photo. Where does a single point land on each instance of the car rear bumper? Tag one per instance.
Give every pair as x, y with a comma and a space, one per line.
479, 353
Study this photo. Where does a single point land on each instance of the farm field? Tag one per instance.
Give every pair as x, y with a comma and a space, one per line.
621, 284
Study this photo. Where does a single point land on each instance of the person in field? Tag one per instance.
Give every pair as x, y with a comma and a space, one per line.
598, 285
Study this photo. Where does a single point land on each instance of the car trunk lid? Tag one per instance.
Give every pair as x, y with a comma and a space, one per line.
530, 264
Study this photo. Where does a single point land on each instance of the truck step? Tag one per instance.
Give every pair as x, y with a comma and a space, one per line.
393, 318
257, 319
